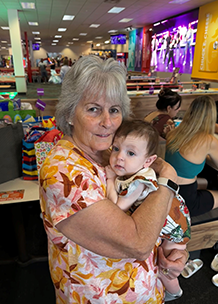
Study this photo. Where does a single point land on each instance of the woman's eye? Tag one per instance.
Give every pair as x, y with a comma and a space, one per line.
93, 109
114, 110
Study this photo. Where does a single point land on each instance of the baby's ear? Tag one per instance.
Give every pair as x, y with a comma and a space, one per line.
150, 160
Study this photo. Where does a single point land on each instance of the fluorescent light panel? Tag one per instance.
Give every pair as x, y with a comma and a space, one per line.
55, 40
58, 36
35, 33
3, 41
37, 38
61, 29
116, 10
100, 37
75, 39
125, 20
94, 25
83, 34
5, 27
33, 23
28, 5
112, 31
68, 17
54, 44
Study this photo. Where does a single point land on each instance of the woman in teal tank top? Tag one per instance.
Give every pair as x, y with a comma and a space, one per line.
188, 147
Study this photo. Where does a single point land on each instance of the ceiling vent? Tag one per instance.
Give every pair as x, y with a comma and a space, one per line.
112, 1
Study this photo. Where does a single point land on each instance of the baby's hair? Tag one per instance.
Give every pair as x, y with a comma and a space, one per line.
140, 128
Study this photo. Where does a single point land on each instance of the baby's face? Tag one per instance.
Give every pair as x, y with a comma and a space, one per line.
128, 155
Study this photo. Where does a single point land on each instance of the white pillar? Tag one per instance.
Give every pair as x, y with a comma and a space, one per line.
13, 22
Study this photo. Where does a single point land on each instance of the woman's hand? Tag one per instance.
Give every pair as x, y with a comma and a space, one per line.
164, 169
174, 264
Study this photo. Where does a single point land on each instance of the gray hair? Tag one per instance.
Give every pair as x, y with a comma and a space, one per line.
91, 78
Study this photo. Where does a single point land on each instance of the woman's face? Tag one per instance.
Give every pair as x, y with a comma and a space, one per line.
95, 123
172, 111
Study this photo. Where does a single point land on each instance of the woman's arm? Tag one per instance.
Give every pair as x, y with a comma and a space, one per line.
106, 230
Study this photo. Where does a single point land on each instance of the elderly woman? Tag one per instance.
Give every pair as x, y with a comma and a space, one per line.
98, 253
188, 148
168, 105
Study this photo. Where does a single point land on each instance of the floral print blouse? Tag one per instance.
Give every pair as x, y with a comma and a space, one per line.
69, 182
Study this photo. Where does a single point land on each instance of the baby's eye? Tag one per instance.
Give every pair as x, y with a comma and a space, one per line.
130, 153
115, 149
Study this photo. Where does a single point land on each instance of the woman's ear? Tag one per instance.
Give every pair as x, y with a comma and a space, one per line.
168, 109
150, 160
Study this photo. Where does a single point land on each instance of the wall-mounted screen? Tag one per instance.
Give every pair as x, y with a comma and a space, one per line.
36, 46
118, 39
173, 43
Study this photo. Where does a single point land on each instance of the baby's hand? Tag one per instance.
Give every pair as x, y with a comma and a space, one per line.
110, 173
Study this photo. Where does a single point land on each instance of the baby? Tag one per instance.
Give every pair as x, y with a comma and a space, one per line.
130, 179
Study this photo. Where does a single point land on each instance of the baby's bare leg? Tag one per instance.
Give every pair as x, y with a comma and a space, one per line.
171, 286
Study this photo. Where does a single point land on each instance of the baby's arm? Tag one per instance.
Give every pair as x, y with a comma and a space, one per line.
126, 202
123, 202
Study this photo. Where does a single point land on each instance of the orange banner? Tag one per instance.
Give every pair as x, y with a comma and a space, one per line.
205, 65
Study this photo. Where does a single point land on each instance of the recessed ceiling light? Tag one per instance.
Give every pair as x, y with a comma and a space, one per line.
57, 36
3, 41
178, 1
90, 41
3, 47
83, 34
55, 40
100, 37
94, 25
124, 20
67, 44
35, 33
33, 23
70, 42
61, 29
5, 27
54, 44
107, 41
116, 10
156, 24
68, 17
112, 31
98, 44
37, 38
28, 5
39, 42
75, 39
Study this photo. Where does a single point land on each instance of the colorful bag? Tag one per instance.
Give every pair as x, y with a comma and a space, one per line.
44, 144
29, 166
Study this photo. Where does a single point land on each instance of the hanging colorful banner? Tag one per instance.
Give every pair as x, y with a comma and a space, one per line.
131, 51
138, 49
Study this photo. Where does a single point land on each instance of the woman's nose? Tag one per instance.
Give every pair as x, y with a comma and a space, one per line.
106, 119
